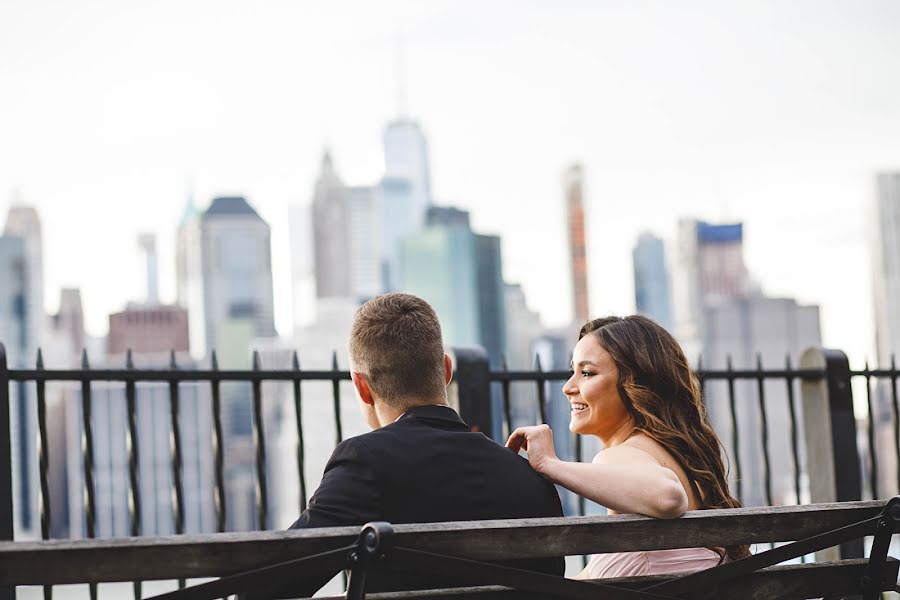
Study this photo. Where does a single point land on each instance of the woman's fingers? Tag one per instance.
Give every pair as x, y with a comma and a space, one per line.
517, 440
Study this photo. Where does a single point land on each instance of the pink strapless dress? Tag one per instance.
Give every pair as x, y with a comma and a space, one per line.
652, 562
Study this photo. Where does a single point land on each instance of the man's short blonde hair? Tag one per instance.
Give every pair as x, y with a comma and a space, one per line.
395, 342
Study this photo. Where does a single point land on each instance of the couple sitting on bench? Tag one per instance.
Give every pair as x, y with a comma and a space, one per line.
631, 387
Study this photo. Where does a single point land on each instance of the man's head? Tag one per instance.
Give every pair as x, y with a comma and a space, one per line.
396, 354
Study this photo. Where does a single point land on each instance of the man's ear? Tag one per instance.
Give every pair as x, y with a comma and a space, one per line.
448, 369
362, 388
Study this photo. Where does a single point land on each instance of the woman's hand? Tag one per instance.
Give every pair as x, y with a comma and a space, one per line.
537, 440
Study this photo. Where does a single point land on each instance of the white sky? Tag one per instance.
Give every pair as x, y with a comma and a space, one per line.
770, 111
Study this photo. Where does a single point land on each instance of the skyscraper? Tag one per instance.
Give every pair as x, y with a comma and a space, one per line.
22, 327
149, 327
740, 327
331, 214
406, 157
719, 314
236, 260
709, 267
23, 222
652, 291
885, 258
404, 192
459, 273
573, 186
346, 238
189, 276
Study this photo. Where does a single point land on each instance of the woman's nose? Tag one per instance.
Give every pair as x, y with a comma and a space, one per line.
569, 387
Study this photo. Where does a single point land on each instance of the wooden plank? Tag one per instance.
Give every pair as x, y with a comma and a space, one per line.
212, 555
838, 578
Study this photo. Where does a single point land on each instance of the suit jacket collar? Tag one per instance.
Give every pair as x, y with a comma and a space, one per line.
435, 412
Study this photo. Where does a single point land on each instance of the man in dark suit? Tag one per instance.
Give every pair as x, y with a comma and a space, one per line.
421, 463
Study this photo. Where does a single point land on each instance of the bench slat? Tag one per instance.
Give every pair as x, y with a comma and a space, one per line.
213, 555
788, 581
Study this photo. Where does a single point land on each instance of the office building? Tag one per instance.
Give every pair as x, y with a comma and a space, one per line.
459, 273
22, 329
236, 260
652, 286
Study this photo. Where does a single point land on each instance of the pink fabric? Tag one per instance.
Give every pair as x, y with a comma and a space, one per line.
655, 562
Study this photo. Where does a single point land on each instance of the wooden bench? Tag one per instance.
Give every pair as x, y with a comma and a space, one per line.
251, 561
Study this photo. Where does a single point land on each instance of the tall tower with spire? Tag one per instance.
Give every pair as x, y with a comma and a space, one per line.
189, 275
573, 185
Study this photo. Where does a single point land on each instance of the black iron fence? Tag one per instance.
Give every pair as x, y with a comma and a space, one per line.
830, 453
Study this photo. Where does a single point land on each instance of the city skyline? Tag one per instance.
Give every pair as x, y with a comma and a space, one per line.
780, 131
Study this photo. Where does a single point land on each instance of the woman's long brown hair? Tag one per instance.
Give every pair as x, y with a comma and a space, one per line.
662, 395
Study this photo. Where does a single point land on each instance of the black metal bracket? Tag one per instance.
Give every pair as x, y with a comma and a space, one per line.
888, 524
372, 546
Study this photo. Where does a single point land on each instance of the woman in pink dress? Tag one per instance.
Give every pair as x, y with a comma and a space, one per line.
631, 386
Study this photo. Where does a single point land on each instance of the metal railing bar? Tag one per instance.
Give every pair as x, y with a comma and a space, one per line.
177, 457
896, 413
166, 375
87, 448
259, 443
873, 458
795, 437
735, 436
764, 430
505, 399
131, 442
541, 389
298, 409
43, 464
336, 394
218, 449
334, 374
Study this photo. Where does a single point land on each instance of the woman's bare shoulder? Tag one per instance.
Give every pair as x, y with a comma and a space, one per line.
627, 453
648, 445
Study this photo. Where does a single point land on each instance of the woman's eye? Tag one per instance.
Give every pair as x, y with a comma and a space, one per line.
586, 373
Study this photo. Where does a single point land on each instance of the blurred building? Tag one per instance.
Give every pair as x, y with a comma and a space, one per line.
236, 260
709, 267
652, 286
22, 327
146, 335
346, 238
65, 342
331, 215
743, 327
884, 239
189, 276
148, 329
459, 273
720, 314
573, 186
406, 157
404, 192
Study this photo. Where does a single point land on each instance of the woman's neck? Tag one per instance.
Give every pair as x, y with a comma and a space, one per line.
619, 434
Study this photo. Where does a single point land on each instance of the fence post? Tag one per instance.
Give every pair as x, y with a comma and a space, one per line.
473, 388
6, 491
832, 456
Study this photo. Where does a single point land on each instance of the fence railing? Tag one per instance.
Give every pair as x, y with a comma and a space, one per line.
798, 420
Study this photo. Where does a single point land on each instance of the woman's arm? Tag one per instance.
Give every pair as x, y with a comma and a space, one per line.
623, 479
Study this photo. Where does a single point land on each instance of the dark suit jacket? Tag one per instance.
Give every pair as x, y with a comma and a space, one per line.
428, 466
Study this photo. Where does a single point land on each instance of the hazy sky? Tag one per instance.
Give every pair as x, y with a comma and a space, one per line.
776, 112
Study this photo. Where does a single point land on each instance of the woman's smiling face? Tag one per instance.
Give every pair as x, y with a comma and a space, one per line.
597, 407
